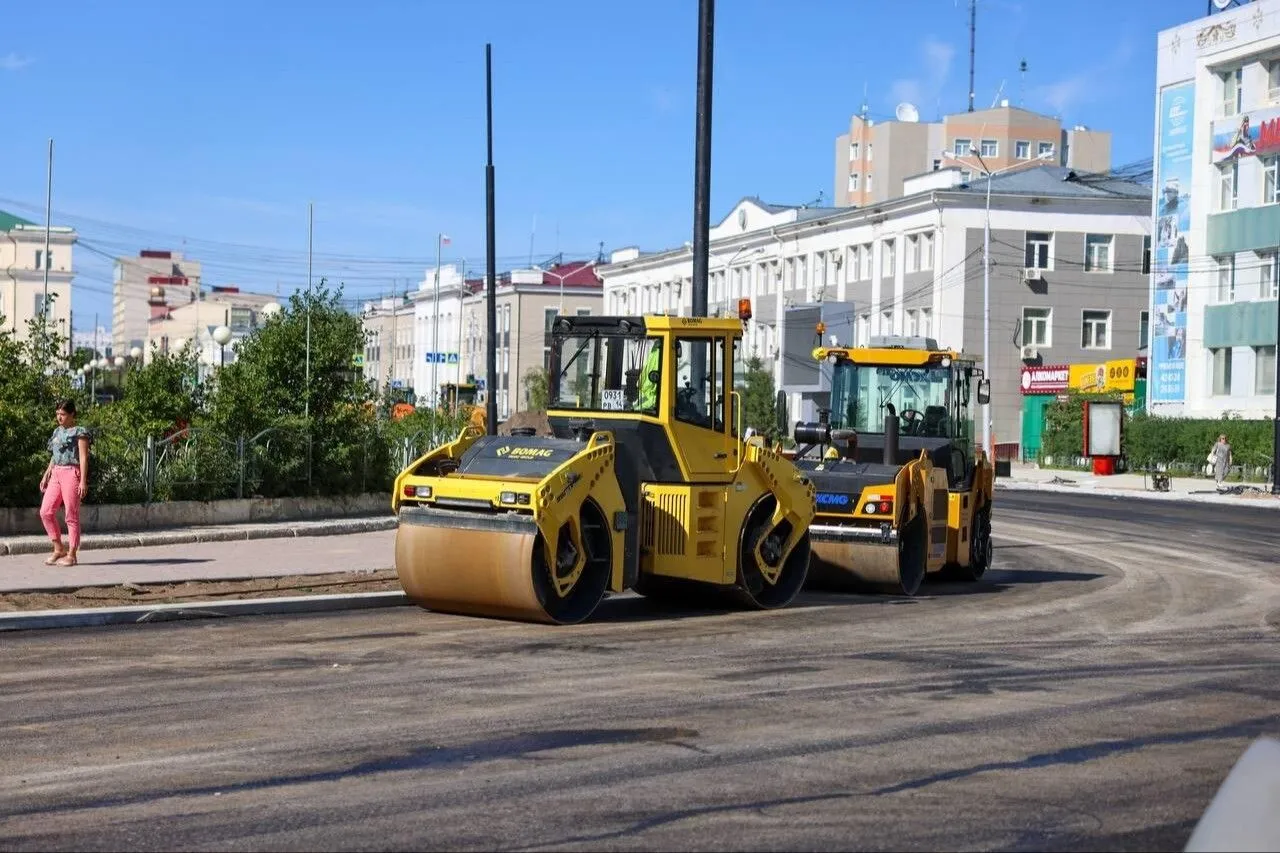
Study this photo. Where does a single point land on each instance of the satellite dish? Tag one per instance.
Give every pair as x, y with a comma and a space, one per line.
907, 112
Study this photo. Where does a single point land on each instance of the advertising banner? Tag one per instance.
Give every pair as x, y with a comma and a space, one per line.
1117, 376
1254, 134
1168, 352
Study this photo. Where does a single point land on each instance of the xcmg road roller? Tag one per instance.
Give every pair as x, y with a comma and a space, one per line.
901, 491
643, 481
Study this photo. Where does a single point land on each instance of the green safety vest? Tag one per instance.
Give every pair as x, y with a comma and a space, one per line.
648, 396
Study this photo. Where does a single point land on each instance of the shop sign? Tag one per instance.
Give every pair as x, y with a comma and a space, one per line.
1046, 379
1117, 376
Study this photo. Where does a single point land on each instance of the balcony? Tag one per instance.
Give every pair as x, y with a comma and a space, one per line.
1249, 229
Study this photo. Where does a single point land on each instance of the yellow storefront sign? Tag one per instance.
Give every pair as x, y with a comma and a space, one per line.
1112, 377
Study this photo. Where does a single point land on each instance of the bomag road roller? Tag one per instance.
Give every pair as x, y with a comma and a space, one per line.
901, 490
643, 483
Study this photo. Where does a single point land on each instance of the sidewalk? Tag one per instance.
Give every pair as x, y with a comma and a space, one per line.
1027, 477
204, 560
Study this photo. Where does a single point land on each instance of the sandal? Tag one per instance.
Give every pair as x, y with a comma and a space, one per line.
57, 555
67, 560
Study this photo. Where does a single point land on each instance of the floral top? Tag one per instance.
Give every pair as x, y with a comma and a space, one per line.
64, 444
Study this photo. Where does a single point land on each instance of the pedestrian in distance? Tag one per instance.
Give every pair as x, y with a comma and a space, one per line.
1220, 459
65, 483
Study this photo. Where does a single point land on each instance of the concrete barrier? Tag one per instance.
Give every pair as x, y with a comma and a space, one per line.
110, 518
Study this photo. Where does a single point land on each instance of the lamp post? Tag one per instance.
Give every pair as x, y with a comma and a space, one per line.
221, 336
986, 278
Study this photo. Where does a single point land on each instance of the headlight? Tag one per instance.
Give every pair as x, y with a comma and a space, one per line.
507, 497
422, 492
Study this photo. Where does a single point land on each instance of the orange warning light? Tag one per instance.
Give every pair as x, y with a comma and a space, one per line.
744, 309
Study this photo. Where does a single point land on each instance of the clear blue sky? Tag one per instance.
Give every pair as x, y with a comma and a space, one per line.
216, 123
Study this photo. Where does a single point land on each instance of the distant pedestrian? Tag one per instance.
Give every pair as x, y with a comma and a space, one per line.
1220, 457
65, 483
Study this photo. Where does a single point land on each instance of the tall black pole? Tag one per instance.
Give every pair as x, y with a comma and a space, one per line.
702, 158
973, 31
491, 270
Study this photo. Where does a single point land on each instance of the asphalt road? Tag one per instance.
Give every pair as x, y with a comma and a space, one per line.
1090, 693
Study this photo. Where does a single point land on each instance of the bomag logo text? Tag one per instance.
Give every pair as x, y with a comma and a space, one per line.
524, 452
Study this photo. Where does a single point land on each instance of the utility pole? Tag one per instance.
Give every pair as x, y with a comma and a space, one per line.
395, 314
48, 226
702, 157
462, 296
306, 403
435, 330
491, 262
93, 364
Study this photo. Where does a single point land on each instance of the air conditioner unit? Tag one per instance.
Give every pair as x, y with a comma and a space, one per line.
1032, 274
1030, 353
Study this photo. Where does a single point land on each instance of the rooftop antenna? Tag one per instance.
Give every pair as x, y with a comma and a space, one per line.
863, 111
1022, 82
907, 112
973, 29
999, 91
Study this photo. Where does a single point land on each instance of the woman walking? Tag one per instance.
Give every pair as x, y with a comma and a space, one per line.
1220, 456
65, 483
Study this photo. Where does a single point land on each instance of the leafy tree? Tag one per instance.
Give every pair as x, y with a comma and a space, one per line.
759, 400
32, 380
537, 389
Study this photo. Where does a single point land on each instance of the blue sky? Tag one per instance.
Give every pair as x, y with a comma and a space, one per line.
212, 125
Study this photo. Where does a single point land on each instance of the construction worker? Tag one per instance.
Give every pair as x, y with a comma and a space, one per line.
647, 398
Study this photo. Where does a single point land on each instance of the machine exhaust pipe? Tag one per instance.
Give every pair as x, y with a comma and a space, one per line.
891, 439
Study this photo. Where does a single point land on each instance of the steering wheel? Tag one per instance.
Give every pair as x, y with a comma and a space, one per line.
912, 421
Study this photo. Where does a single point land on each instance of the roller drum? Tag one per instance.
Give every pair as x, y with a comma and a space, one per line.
845, 562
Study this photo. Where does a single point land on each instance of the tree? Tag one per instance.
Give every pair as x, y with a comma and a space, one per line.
537, 389
759, 400
32, 380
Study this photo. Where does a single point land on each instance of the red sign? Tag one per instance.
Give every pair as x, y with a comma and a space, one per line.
1046, 379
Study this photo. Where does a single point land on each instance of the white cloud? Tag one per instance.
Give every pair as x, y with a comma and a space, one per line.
14, 62
1082, 87
935, 67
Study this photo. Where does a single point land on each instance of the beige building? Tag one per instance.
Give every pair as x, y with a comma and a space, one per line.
22, 268
389, 347
874, 158
172, 326
135, 298
528, 301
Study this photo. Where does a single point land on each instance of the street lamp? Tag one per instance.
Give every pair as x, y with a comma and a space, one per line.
135, 353
222, 336
118, 361
986, 277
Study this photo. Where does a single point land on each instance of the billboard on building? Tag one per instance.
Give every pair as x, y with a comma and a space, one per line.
1253, 134
1168, 350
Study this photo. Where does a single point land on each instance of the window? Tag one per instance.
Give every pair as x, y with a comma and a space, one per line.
1227, 279
926, 250
1144, 330
854, 153
1273, 80
888, 260
1270, 186
867, 261
41, 258
38, 308
913, 252
937, 164
1022, 150
851, 263
1146, 255
1097, 252
1264, 371
868, 189
1268, 276
961, 147
853, 183
1044, 148
1221, 371
926, 322
1232, 92
990, 148
1228, 185
913, 324
886, 323
1096, 330
696, 369
1036, 327
870, 153
241, 320
1037, 249
862, 332
965, 176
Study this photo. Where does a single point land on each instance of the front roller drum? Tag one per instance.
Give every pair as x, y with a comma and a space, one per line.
495, 565
864, 560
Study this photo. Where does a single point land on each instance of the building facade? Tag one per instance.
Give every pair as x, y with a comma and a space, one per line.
142, 287
1217, 215
23, 262
172, 326
874, 159
1067, 276
389, 346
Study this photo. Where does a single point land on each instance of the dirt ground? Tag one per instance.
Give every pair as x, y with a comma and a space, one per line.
169, 593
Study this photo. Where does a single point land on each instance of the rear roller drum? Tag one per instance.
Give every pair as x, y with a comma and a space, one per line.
779, 580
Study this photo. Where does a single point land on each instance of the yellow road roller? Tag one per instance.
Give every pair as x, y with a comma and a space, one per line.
641, 481
901, 490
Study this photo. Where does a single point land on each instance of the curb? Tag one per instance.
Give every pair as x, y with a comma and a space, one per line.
101, 616
143, 539
1264, 502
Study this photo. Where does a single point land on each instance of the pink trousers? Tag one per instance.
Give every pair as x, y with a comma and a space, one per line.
63, 489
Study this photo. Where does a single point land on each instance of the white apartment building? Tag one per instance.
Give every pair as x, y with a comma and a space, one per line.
23, 262
1217, 215
433, 343
1067, 276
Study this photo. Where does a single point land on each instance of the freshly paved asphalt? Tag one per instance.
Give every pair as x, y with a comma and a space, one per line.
1090, 693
